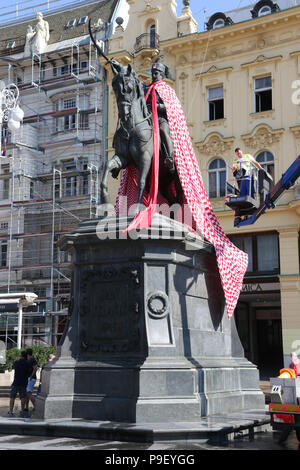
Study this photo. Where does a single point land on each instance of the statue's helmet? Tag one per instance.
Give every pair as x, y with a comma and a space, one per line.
161, 67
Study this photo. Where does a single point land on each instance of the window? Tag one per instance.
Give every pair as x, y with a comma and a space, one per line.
57, 192
84, 121
245, 244
263, 94
68, 165
266, 159
11, 45
75, 68
70, 186
31, 190
5, 169
152, 34
217, 178
71, 23
82, 20
85, 184
5, 189
69, 122
262, 250
215, 103
3, 254
64, 69
69, 103
264, 11
267, 252
219, 23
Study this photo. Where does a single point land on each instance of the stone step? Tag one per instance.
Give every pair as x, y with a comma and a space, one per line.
5, 391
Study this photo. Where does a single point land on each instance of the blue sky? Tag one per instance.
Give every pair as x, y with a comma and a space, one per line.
211, 6
200, 8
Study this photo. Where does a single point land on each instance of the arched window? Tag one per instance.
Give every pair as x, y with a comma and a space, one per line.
264, 11
266, 159
152, 35
217, 178
219, 23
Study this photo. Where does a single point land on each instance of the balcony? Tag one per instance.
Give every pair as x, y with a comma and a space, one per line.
147, 42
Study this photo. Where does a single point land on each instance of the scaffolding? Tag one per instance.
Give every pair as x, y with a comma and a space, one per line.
49, 181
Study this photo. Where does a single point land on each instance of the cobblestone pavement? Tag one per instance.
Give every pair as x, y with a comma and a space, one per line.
266, 440
262, 441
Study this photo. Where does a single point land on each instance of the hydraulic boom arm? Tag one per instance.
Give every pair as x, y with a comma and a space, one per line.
286, 181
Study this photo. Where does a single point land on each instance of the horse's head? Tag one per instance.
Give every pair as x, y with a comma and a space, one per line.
124, 86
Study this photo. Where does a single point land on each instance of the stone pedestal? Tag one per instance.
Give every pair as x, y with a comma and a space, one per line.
148, 339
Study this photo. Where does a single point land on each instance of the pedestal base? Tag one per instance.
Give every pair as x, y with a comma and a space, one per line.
148, 340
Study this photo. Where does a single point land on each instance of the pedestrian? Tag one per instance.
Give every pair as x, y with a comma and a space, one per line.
33, 366
295, 363
21, 369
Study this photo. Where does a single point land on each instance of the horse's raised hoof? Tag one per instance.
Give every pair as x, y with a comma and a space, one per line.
104, 195
115, 172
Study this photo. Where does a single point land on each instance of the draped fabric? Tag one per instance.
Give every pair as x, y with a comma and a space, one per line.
232, 262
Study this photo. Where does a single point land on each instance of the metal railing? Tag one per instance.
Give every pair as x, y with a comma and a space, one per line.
146, 41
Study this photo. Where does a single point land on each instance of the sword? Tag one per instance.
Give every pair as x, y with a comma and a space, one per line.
108, 61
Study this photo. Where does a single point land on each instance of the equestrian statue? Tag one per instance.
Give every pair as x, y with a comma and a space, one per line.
134, 138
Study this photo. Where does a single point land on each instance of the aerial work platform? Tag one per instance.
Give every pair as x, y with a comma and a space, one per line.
262, 194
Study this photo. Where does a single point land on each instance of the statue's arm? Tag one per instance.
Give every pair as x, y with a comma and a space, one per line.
115, 66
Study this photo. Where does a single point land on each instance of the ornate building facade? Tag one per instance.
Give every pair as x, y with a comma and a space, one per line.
238, 82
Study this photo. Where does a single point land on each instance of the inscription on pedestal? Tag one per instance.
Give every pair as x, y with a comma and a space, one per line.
110, 310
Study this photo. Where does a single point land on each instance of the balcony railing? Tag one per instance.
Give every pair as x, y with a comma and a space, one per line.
146, 41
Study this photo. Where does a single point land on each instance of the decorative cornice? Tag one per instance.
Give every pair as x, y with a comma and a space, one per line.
262, 136
212, 70
261, 59
215, 144
149, 10
295, 54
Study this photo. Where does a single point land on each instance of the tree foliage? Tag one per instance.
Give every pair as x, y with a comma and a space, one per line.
40, 353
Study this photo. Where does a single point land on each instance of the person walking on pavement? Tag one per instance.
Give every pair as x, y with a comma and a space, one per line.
33, 366
21, 368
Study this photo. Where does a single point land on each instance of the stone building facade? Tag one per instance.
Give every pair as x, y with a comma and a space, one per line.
238, 82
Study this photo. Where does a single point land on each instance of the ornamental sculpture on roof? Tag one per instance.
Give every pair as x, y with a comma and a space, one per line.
37, 38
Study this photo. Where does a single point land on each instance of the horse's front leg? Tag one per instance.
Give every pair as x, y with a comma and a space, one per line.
112, 166
144, 167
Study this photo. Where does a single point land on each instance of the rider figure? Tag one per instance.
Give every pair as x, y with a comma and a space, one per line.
159, 72
123, 83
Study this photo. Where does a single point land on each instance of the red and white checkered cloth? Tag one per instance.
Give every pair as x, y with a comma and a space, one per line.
232, 262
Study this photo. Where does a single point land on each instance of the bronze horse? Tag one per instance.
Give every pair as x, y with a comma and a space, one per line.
133, 139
